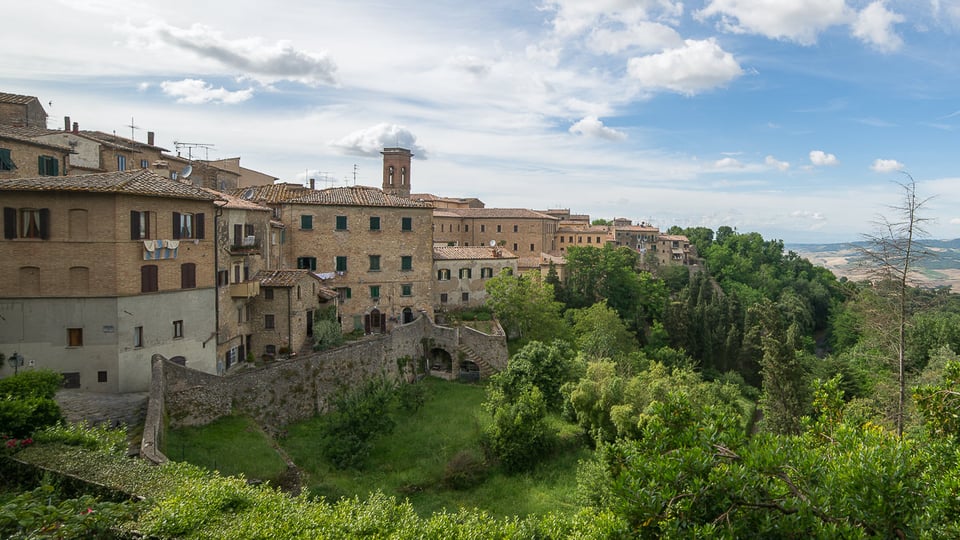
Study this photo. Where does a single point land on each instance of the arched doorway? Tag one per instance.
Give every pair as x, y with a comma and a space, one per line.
407, 315
440, 360
375, 322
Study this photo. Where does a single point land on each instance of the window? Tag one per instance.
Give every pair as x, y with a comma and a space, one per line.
499, 228
406, 224
341, 223
188, 276
26, 223
443, 274
466, 228
121, 162
148, 278
48, 166
187, 225
486, 273
515, 228
223, 277
571, 240
588, 240
465, 297
144, 164
514, 248
138, 336
271, 350
443, 298
101, 376
561, 239
531, 247
374, 263
406, 263
268, 294
374, 291
6, 163
139, 225
374, 223
298, 293
306, 222
268, 321
74, 337
344, 293
177, 329
465, 273
406, 289
307, 263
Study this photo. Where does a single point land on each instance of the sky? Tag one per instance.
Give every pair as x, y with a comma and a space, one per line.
797, 119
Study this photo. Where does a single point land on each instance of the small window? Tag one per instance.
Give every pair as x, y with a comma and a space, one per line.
75, 337
499, 228
268, 321
374, 263
374, 291
177, 329
48, 166
144, 164
588, 240
268, 294
466, 273
516, 228
26, 223
306, 222
374, 223
465, 297
443, 298
466, 228
341, 263
138, 336
486, 273
561, 239
406, 224
271, 350
483, 228
186, 225
139, 225
514, 248
532, 248
6, 163
341, 223
121, 162
406, 263
307, 263
406, 289
101, 376
443, 274
344, 293
223, 277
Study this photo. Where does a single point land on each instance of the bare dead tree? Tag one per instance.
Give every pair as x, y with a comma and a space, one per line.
892, 256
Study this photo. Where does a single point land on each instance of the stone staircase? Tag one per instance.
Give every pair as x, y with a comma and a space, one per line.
486, 370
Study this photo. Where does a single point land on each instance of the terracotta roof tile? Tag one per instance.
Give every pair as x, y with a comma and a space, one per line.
338, 196
138, 182
235, 203
282, 278
504, 213
447, 253
16, 98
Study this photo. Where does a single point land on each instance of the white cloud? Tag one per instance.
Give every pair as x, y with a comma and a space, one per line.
477, 66
776, 164
808, 214
143, 87
728, 163
260, 61
645, 35
955, 221
697, 66
591, 126
886, 166
575, 16
370, 141
874, 26
800, 21
820, 158
196, 91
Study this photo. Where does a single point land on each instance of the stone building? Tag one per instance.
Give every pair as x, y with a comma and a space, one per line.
22, 111
105, 270
24, 157
461, 274
283, 312
523, 232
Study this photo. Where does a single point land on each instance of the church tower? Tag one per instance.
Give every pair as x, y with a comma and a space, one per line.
396, 172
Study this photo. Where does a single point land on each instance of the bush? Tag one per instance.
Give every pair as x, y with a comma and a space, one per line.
326, 335
360, 416
519, 436
81, 434
41, 514
411, 396
464, 471
21, 416
40, 383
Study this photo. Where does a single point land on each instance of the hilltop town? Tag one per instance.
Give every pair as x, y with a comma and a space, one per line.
118, 249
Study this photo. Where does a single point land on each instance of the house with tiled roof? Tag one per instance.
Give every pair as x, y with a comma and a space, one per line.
285, 310
19, 110
103, 271
22, 156
524, 232
462, 273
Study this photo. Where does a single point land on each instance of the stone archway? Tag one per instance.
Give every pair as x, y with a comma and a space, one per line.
406, 316
440, 360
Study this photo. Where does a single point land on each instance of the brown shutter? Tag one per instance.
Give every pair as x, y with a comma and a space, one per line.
198, 225
9, 222
176, 225
44, 223
238, 234
134, 225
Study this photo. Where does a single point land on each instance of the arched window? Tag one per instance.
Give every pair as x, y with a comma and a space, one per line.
390, 175
403, 176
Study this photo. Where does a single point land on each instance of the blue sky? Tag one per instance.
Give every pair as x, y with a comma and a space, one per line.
795, 119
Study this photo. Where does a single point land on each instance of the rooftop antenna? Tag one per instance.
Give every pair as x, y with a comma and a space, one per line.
191, 146
354, 174
132, 127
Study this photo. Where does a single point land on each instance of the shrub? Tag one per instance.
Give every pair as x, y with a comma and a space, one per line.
464, 470
519, 436
41, 514
82, 434
412, 396
40, 383
360, 416
326, 335
20, 417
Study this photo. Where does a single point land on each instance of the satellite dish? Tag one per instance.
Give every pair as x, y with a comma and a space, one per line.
186, 172
493, 243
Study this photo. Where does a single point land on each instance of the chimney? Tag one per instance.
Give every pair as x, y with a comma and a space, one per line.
66, 123
150, 138
313, 183
76, 127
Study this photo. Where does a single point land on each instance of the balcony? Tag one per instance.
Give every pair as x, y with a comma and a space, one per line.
247, 289
248, 245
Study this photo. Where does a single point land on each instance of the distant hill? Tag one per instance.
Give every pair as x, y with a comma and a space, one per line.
942, 269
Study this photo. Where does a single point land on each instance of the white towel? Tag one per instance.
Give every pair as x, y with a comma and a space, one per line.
149, 245
173, 244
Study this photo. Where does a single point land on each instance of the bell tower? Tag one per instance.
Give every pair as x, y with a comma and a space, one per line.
396, 172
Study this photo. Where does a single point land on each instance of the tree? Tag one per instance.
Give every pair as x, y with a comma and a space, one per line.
518, 435
546, 366
600, 333
525, 308
892, 254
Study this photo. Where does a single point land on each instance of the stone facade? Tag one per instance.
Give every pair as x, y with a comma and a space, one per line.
282, 315
520, 231
22, 156
461, 274
24, 111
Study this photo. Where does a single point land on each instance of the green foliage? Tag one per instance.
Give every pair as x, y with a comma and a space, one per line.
39, 383
785, 396
94, 437
518, 436
359, 416
525, 308
600, 332
214, 445
327, 335
42, 513
940, 403
27, 404
464, 470
548, 367
411, 396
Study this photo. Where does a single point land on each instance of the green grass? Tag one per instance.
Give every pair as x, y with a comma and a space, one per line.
410, 462
231, 445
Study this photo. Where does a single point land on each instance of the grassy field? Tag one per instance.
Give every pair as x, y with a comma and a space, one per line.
410, 462
231, 445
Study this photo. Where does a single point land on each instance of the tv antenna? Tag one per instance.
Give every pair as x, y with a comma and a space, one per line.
355, 173
132, 127
191, 146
